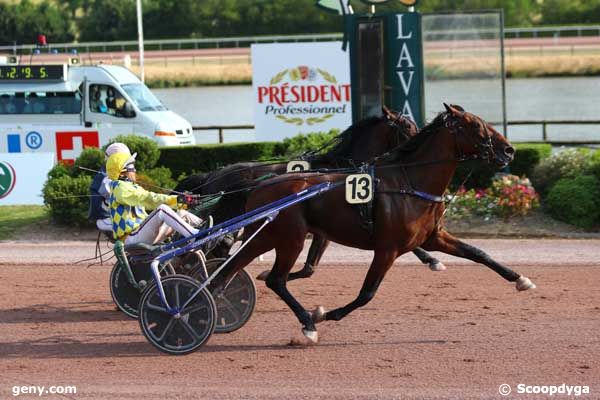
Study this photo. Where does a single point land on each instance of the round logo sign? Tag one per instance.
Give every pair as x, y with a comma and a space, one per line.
8, 178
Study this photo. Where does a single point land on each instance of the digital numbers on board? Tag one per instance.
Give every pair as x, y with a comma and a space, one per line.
298, 166
32, 72
359, 188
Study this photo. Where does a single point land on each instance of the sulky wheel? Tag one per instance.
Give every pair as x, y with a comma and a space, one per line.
236, 304
125, 296
186, 331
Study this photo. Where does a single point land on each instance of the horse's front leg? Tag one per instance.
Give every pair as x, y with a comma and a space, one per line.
277, 281
446, 243
426, 258
382, 261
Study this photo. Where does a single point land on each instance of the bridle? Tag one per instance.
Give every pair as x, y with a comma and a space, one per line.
401, 135
485, 148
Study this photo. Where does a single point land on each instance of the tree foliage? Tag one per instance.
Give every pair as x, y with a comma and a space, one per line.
22, 22
106, 20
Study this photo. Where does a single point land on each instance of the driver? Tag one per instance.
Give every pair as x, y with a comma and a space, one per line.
128, 201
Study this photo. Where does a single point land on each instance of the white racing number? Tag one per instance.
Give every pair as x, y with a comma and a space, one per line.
298, 166
359, 188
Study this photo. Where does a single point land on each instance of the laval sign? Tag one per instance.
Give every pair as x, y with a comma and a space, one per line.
300, 88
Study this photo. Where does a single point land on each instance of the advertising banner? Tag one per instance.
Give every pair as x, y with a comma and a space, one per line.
66, 142
300, 88
22, 177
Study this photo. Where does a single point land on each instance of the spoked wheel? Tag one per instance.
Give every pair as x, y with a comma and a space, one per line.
186, 331
236, 304
125, 296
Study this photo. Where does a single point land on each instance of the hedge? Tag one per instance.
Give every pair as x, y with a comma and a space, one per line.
204, 158
575, 201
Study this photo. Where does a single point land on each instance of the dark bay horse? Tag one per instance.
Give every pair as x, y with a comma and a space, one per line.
403, 221
361, 142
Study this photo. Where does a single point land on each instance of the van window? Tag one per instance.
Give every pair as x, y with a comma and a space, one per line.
106, 99
40, 103
143, 97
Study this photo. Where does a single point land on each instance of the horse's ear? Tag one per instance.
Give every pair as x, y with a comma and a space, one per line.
451, 109
459, 108
386, 111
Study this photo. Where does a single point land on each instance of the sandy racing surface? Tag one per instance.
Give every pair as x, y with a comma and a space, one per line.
454, 334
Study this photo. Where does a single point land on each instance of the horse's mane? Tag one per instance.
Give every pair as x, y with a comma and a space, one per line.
423, 136
345, 140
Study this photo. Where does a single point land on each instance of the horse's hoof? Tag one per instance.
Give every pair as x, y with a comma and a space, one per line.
312, 336
318, 315
263, 275
524, 283
437, 266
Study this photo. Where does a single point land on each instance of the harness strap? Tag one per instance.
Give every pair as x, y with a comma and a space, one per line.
416, 193
365, 210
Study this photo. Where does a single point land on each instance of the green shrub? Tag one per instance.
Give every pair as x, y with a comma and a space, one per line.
60, 170
528, 155
565, 164
161, 177
575, 201
594, 166
90, 158
204, 158
68, 198
147, 150
299, 144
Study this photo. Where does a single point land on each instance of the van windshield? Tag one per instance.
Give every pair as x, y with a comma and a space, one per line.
143, 97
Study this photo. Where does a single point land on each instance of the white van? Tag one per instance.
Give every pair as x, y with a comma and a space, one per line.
63, 108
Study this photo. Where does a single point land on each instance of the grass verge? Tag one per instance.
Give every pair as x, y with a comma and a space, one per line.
17, 218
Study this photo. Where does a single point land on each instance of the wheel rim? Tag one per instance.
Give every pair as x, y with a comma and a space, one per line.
235, 304
177, 335
125, 296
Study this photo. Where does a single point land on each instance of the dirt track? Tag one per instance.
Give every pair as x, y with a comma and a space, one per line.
454, 334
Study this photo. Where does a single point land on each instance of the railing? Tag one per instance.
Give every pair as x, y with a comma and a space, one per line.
245, 41
544, 123
177, 44
553, 31
221, 128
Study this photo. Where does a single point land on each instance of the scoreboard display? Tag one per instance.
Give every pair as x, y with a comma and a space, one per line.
33, 73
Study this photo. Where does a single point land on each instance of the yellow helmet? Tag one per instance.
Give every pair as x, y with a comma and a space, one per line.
118, 163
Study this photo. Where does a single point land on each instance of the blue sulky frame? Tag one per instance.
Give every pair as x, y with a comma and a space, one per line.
267, 213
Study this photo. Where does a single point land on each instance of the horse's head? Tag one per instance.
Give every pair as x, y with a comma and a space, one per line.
404, 127
476, 139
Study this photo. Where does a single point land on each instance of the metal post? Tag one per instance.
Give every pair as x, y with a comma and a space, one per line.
544, 131
503, 72
140, 37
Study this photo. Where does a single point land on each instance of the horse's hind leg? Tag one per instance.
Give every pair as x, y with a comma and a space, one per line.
287, 255
446, 243
317, 248
382, 261
426, 258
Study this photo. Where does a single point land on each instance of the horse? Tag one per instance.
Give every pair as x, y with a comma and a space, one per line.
361, 142
408, 210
